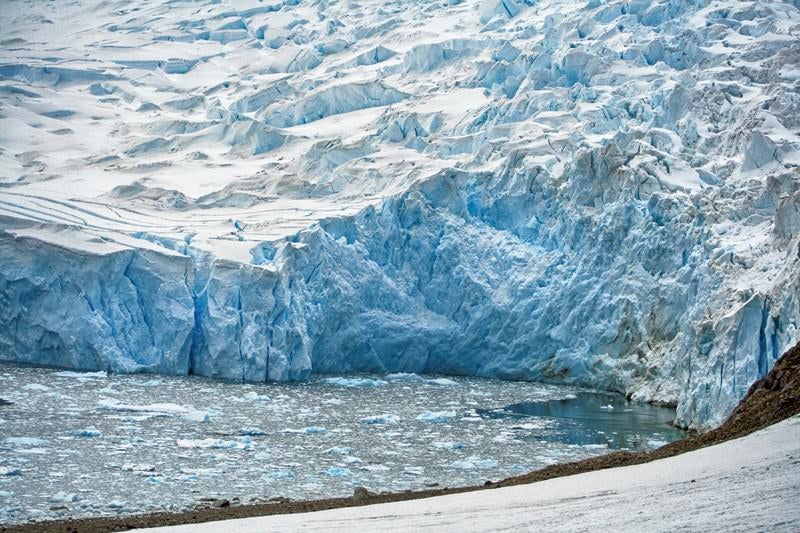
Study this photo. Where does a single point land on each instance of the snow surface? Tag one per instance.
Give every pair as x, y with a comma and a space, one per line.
748, 484
600, 193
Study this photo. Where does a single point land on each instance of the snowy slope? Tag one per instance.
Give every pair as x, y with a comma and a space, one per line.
751, 483
603, 193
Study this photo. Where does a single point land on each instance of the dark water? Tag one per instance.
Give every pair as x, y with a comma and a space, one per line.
597, 418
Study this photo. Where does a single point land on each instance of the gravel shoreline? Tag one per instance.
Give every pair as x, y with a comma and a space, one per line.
771, 399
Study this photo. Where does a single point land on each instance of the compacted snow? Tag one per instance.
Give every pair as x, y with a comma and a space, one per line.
603, 193
748, 484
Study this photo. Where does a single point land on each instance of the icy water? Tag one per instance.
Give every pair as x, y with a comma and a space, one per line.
82, 444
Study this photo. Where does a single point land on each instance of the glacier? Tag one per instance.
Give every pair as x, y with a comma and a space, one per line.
596, 193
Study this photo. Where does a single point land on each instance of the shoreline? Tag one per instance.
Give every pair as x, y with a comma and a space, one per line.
769, 400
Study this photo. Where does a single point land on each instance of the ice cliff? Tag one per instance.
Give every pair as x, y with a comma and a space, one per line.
601, 193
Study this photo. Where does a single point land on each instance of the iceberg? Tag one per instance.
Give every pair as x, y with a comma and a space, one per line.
602, 194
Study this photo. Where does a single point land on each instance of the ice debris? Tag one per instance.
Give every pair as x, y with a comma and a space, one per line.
436, 417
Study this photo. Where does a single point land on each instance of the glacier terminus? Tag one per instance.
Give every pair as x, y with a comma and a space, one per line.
596, 193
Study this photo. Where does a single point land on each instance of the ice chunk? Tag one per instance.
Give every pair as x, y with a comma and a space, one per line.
156, 409
336, 471
375, 468
10, 471
81, 375
252, 432
196, 416
64, 497
138, 467
404, 377
37, 387
25, 441
449, 445
436, 416
255, 397
339, 450
280, 474
443, 382
380, 419
761, 152
474, 463
240, 443
354, 382
89, 432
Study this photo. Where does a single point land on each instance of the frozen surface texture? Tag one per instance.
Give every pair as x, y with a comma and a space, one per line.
597, 193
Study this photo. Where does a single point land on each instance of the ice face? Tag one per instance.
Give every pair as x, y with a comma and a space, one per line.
601, 193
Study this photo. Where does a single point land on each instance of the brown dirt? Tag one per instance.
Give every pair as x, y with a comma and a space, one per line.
770, 400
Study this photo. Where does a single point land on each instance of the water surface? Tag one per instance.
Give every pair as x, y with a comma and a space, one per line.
87, 444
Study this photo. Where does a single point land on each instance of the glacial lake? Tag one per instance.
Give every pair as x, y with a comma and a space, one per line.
86, 444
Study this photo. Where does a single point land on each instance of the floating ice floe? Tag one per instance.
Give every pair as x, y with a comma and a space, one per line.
337, 471
37, 387
436, 417
64, 497
380, 419
375, 468
81, 375
25, 441
10, 471
474, 463
280, 474
406, 377
138, 467
354, 382
157, 409
206, 472
240, 443
339, 450
252, 432
89, 432
449, 445
255, 397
